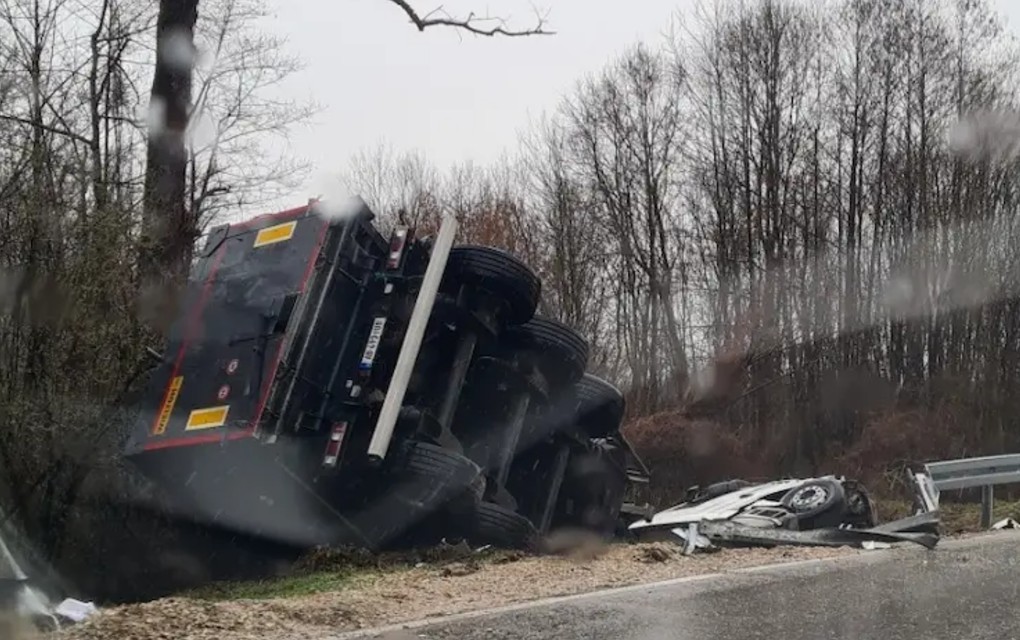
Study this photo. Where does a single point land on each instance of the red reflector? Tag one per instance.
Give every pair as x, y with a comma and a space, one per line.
336, 440
397, 247
339, 429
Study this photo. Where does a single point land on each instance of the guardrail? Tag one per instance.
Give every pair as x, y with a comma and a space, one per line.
986, 472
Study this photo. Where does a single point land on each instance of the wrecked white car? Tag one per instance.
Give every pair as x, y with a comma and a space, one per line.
827, 511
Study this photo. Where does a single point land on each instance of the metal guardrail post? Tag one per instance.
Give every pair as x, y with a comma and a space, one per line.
971, 473
987, 505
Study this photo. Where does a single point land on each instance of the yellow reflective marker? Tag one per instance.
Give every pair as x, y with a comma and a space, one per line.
168, 406
276, 233
209, 418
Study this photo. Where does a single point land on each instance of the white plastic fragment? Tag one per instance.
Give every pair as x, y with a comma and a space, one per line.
874, 545
693, 539
1006, 523
75, 610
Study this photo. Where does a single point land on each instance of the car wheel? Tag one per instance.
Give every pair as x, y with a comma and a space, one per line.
497, 272
816, 503
502, 527
600, 406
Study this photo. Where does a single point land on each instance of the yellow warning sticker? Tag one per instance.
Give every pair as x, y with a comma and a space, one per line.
276, 233
168, 406
209, 418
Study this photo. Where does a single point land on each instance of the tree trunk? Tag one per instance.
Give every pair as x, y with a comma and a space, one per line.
169, 228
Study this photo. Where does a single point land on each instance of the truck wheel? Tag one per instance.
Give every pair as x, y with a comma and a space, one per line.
600, 406
498, 272
562, 353
816, 503
502, 527
442, 477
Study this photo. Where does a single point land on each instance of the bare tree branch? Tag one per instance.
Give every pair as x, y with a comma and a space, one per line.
472, 23
55, 130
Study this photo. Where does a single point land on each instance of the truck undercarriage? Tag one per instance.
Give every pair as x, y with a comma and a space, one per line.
323, 385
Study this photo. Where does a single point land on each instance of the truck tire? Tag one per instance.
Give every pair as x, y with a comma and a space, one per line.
498, 272
562, 353
600, 406
502, 527
443, 477
818, 503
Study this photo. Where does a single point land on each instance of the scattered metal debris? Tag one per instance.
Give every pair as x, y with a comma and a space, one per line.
29, 603
824, 511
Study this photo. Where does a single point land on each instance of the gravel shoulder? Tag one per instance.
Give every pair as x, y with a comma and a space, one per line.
426, 590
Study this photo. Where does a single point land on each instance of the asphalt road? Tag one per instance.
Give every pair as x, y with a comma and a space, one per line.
964, 589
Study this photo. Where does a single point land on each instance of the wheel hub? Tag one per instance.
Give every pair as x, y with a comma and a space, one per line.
809, 498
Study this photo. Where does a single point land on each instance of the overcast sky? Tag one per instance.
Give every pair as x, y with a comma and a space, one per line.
454, 96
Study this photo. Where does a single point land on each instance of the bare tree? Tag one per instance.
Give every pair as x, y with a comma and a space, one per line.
172, 221
625, 134
231, 120
480, 25
394, 185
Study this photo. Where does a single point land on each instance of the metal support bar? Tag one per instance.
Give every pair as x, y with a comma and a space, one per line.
559, 470
384, 427
511, 437
987, 504
461, 363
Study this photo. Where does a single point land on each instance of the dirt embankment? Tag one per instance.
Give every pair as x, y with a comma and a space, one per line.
372, 598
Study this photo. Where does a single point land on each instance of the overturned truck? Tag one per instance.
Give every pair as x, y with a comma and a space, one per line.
325, 385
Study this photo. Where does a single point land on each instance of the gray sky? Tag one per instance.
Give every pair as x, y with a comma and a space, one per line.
454, 96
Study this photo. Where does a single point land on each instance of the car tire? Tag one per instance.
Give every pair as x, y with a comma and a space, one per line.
816, 504
561, 353
502, 527
600, 406
498, 272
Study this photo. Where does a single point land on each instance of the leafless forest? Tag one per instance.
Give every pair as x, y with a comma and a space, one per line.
770, 225
790, 232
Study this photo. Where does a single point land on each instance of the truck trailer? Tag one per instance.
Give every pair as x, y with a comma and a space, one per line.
323, 384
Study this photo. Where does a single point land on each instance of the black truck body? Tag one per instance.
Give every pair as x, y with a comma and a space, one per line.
259, 416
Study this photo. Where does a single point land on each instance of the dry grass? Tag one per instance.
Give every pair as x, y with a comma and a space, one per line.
400, 592
337, 590
13, 627
956, 518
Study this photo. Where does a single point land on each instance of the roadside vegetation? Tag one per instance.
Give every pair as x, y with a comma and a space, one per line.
761, 221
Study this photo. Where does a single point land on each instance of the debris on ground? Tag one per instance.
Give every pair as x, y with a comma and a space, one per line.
823, 511
656, 552
576, 544
414, 593
460, 569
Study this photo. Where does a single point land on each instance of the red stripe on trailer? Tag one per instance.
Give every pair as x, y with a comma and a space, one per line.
207, 438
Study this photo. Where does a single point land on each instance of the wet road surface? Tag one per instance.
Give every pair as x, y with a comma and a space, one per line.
965, 589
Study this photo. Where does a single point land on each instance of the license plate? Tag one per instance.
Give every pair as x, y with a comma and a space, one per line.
372, 346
